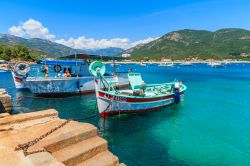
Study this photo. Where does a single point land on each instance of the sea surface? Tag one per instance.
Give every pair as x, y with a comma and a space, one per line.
211, 126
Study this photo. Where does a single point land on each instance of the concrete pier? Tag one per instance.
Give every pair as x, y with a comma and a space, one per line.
73, 144
5, 102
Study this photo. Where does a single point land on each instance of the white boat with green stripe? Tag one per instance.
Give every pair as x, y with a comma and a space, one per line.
138, 98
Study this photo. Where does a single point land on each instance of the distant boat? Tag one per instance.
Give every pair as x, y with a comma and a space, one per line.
186, 64
215, 64
4, 66
143, 64
1, 71
167, 64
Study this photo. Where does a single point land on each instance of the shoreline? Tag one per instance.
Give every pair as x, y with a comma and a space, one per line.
175, 62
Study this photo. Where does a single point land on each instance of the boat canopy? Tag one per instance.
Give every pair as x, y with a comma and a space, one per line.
61, 62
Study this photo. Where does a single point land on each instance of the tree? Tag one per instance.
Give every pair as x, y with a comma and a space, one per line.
6, 55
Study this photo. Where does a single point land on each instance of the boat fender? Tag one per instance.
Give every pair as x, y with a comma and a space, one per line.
177, 92
176, 96
78, 85
57, 68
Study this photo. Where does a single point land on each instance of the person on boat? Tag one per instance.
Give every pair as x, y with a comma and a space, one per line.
67, 73
46, 71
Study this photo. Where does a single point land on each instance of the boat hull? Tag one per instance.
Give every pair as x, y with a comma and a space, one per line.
109, 105
19, 82
43, 86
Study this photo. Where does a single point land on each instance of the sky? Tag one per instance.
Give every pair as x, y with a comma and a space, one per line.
91, 24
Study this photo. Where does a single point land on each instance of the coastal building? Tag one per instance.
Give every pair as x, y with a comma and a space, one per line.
126, 55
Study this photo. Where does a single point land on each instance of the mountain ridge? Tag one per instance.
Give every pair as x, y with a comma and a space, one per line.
51, 49
226, 43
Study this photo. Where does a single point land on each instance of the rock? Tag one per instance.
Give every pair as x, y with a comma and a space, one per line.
3, 91
5, 101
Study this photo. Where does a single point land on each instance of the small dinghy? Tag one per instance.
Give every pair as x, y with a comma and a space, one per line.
140, 97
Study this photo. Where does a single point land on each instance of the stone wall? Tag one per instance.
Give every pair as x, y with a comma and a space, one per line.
5, 102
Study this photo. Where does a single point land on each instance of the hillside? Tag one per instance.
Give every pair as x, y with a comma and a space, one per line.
230, 43
38, 46
45, 47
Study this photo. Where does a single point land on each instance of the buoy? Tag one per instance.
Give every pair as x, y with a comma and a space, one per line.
57, 68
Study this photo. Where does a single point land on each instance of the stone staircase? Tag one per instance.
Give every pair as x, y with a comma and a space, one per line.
75, 144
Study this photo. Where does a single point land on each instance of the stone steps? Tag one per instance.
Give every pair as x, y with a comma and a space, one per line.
105, 158
71, 133
2, 115
19, 136
79, 152
19, 118
75, 143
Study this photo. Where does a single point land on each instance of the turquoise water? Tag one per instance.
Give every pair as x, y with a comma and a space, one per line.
211, 126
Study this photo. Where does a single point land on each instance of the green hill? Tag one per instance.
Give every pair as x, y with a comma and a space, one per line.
37, 46
230, 43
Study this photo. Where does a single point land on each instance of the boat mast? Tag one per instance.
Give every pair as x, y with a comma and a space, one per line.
77, 72
114, 73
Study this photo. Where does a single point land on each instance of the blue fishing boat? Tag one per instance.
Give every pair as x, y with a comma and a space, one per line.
58, 77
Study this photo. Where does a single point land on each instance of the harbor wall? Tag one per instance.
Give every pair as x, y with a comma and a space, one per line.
5, 102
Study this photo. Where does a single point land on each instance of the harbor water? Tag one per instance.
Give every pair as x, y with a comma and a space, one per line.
211, 126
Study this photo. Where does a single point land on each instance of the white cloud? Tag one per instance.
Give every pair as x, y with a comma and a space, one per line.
17, 31
90, 43
35, 29
31, 28
143, 41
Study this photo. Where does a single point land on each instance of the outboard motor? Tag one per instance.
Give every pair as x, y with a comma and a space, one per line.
177, 96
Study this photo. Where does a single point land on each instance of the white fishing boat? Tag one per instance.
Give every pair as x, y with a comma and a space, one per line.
66, 77
215, 64
143, 64
186, 64
3, 66
140, 97
167, 64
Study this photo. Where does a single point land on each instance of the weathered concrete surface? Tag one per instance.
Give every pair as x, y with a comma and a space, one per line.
74, 144
2, 115
41, 159
5, 101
